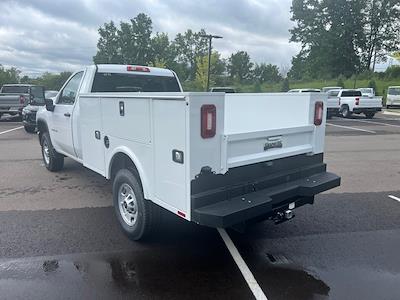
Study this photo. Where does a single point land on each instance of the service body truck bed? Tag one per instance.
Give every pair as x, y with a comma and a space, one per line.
216, 159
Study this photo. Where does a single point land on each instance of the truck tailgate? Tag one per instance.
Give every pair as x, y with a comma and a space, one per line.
366, 102
264, 127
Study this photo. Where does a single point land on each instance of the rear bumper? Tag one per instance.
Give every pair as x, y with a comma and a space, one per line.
264, 197
358, 110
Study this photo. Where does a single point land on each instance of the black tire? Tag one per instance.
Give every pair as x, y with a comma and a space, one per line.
29, 128
346, 113
54, 161
146, 218
369, 115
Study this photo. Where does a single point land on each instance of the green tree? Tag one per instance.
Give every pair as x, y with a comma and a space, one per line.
188, 46
128, 44
108, 45
10, 75
216, 69
382, 26
267, 73
285, 85
51, 81
239, 66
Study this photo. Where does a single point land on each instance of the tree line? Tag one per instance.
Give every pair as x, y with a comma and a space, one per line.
343, 37
133, 42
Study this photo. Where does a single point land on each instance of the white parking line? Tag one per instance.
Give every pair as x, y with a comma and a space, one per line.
353, 128
379, 123
248, 276
11, 130
394, 197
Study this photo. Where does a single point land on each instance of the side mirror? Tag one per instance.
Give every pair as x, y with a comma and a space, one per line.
49, 104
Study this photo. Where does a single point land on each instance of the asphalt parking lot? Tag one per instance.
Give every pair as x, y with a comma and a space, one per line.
59, 237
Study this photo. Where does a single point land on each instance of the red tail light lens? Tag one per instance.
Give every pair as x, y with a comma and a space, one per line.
21, 99
318, 113
138, 69
357, 101
208, 121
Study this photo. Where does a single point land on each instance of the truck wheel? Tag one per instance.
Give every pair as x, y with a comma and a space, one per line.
134, 213
369, 115
29, 129
53, 160
346, 113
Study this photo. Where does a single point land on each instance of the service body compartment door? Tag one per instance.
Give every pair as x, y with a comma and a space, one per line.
92, 134
170, 152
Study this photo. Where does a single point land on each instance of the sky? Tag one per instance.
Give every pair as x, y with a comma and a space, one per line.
61, 35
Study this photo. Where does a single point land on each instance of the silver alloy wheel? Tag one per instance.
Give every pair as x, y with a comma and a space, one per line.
127, 204
46, 152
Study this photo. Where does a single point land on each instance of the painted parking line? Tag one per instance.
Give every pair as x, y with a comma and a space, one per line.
394, 197
3, 132
244, 269
375, 122
353, 128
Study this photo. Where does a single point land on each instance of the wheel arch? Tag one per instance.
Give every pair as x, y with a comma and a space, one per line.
42, 128
124, 159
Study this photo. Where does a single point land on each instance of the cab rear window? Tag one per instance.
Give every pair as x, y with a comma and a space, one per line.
351, 94
15, 89
394, 91
117, 82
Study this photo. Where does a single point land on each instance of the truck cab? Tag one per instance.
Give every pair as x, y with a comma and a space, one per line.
216, 159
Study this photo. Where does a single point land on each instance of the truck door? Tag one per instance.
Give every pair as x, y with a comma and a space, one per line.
62, 115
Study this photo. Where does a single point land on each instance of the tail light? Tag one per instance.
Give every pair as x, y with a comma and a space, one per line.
318, 113
138, 69
22, 99
357, 100
208, 121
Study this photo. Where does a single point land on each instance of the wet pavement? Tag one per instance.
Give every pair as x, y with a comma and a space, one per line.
59, 238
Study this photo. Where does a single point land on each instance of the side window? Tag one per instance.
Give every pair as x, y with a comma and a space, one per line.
68, 94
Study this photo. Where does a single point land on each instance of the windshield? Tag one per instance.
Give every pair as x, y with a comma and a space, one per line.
15, 89
117, 82
394, 91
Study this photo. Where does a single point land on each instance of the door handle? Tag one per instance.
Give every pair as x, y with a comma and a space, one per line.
67, 115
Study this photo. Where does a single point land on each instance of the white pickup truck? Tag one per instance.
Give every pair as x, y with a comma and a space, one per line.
220, 160
352, 101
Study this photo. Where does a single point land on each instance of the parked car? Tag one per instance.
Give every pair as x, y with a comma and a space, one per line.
393, 96
228, 90
49, 94
14, 97
29, 113
367, 92
218, 160
333, 103
352, 101
304, 91
328, 88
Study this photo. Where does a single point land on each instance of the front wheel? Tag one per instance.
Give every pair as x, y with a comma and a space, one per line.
53, 160
134, 213
369, 115
29, 128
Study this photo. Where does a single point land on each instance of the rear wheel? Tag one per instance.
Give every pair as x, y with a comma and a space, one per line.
136, 215
53, 160
346, 113
29, 128
369, 115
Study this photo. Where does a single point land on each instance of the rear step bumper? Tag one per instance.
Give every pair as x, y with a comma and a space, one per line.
264, 203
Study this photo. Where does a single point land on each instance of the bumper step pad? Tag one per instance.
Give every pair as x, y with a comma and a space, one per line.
242, 208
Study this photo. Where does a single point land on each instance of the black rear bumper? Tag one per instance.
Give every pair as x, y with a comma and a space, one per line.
269, 189
359, 110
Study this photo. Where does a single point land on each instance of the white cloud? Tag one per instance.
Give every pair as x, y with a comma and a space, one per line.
62, 35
